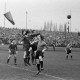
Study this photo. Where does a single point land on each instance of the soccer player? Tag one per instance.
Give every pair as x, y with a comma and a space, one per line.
12, 51
53, 45
68, 50
34, 48
41, 47
26, 42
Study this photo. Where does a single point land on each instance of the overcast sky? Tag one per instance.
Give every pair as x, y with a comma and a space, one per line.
40, 11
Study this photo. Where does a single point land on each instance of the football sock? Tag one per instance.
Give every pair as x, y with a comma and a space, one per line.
41, 63
38, 67
8, 61
15, 60
71, 57
28, 60
67, 56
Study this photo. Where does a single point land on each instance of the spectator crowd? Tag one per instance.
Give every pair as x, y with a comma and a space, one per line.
51, 37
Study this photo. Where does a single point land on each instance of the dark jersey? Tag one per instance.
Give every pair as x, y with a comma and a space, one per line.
13, 46
34, 46
26, 40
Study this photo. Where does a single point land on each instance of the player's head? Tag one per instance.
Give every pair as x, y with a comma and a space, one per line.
13, 42
23, 32
40, 37
27, 32
70, 43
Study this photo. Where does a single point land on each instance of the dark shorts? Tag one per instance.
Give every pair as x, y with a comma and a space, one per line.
26, 47
33, 54
27, 57
27, 54
38, 53
13, 52
34, 48
68, 51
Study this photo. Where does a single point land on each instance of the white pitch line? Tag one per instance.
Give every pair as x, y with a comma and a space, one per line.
32, 71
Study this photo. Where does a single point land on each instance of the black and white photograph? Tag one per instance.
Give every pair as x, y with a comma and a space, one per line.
39, 39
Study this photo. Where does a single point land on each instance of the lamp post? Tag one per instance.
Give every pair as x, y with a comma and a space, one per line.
26, 19
4, 12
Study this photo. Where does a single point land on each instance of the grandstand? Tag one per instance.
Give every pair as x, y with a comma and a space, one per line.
7, 34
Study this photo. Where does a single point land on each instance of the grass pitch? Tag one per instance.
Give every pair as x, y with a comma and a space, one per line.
56, 66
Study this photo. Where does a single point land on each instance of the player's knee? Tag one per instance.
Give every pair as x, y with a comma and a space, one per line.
70, 54
37, 61
15, 55
9, 56
24, 54
40, 58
